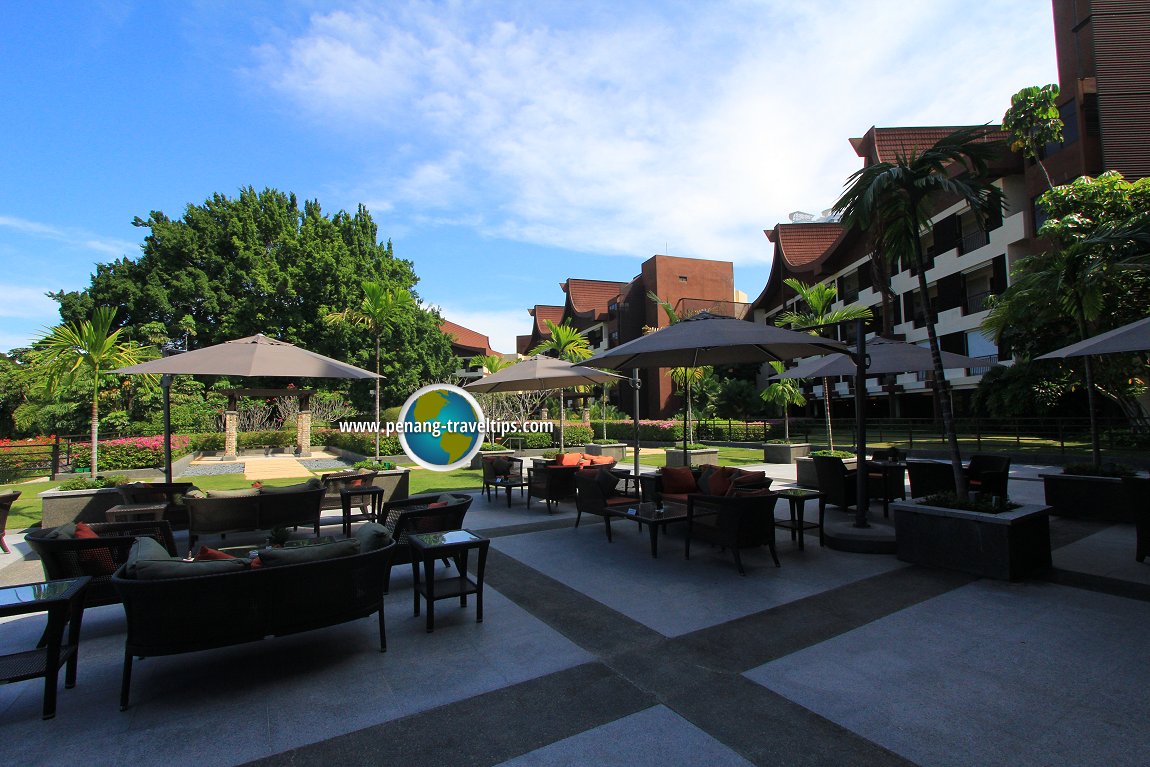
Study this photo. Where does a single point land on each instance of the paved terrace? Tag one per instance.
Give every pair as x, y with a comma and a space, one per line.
595, 653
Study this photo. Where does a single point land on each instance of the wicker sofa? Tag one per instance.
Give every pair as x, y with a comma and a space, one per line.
223, 512
172, 615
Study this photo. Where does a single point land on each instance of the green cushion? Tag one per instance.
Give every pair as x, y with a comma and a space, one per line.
372, 536
247, 493
145, 548
311, 484
317, 553
159, 569
195, 492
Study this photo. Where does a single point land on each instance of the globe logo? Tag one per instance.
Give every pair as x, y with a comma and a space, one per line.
440, 427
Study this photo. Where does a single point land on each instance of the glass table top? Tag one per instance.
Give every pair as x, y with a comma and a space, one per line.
34, 592
445, 538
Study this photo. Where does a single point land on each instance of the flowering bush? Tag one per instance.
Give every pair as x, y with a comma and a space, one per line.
129, 452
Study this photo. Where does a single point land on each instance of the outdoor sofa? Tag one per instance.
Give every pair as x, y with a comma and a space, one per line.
219, 512
675, 484
174, 606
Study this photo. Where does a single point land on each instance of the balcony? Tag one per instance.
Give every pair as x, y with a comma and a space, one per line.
973, 241
990, 359
975, 302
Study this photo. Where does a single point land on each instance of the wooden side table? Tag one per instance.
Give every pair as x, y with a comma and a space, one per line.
797, 498
427, 548
63, 600
375, 496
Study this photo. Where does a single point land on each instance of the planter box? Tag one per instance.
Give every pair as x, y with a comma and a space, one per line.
616, 450
477, 459
1076, 495
395, 483
694, 457
784, 453
63, 506
1006, 546
805, 471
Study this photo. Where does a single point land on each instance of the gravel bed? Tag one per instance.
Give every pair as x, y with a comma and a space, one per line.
206, 469
313, 464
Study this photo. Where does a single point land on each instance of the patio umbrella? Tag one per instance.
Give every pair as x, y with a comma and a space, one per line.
1134, 337
539, 373
707, 339
884, 355
255, 355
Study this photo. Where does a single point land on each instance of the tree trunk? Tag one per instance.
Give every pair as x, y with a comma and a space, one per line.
562, 410
786, 425
881, 280
95, 424
941, 392
377, 424
827, 412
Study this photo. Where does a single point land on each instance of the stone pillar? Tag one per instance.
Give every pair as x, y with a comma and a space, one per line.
231, 428
303, 427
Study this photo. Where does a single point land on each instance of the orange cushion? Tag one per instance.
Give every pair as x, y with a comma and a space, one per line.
679, 480
569, 459
83, 531
600, 459
205, 554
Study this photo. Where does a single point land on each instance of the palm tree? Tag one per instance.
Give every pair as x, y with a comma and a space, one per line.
818, 299
784, 393
377, 312
88, 348
896, 198
492, 363
566, 343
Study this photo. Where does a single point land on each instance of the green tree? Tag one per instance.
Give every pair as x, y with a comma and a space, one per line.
784, 393
738, 398
88, 349
377, 312
566, 343
1033, 122
492, 363
1084, 284
896, 199
818, 300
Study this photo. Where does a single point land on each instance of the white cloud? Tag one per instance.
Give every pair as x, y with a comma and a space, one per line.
27, 303
635, 132
72, 235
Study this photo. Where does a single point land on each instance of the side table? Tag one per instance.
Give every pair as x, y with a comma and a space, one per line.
797, 498
136, 512
427, 548
63, 600
374, 496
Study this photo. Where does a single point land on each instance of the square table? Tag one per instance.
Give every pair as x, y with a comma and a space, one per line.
136, 512
649, 514
375, 496
63, 600
509, 484
797, 498
429, 547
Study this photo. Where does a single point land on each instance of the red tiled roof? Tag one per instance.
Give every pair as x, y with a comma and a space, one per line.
522, 344
588, 299
802, 244
467, 339
886, 144
541, 313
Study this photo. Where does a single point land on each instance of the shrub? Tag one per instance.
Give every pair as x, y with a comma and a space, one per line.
572, 435
374, 465
129, 452
362, 443
492, 446
690, 446
731, 431
833, 453
84, 483
532, 441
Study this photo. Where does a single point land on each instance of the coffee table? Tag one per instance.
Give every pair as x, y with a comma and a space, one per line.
63, 600
797, 498
426, 548
649, 514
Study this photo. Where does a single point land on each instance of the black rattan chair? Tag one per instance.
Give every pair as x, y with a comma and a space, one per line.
1138, 500
733, 522
503, 472
417, 515
6, 500
988, 474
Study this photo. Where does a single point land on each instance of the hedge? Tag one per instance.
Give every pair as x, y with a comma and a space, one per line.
129, 452
357, 442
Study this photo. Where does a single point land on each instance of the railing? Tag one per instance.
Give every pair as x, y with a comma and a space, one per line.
973, 241
990, 359
975, 302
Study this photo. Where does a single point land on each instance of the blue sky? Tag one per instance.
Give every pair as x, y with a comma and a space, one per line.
502, 146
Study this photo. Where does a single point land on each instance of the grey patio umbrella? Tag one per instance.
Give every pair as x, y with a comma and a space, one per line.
884, 355
255, 355
540, 373
1134, 337
707, 339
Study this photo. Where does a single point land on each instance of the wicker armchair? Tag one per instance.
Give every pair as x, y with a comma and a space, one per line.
551, 483
503, 473
6, 501
417, 515
929, 477
733, 522
837, 483
596, 490
97, 557
988, 474
1138, 499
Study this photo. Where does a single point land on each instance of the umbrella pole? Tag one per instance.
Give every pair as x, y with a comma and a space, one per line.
686, 419
635, 385
862, 501
561, 411
166, 385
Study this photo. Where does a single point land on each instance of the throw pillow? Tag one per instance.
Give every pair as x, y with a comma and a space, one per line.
744, 479
95, 561
568, 459
679, 479
159, 569
601, 460
719, 482
317, 553
607, 482
144, 548
67, 530
83, 531
208, 555
296, 488
246, 493
372, 536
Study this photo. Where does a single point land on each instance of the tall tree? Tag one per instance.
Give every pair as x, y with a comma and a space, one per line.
818, 300
377, 312
899, 197
87, 349
566, 343
1033, 122
784, 393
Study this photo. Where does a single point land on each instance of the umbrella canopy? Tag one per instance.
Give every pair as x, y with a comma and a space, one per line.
706, 339
1134, 337
255, 355
540, 372
883, 356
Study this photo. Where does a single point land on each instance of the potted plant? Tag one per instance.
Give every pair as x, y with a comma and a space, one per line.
608, 447
1083, 490
781, 451
80, 500
697, 455
988, 537
805, 467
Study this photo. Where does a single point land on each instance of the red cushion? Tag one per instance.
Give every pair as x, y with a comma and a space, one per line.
679, 480
621, 500
568, 459
256, 563
437, 505
675, 498
205, 554
601, 460
83, 531
720, 481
